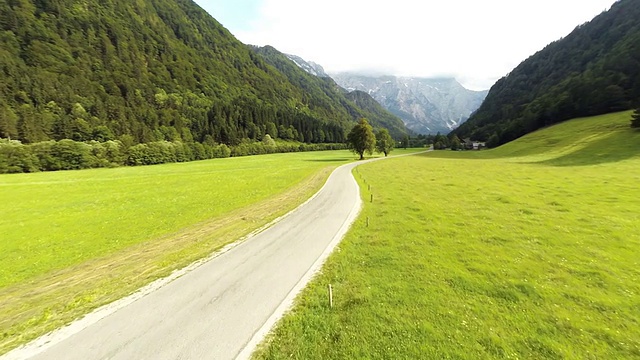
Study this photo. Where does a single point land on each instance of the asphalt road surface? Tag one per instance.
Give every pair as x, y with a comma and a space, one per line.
222, 308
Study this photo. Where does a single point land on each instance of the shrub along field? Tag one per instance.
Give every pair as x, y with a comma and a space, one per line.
16, 157
73, 240
526, 251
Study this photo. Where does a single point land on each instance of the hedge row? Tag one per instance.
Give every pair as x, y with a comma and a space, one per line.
259, 148
16, 157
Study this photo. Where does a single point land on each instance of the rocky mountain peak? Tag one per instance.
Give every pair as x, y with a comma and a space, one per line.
308, 66
426, 105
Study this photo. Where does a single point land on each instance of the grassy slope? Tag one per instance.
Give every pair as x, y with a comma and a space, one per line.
526, 251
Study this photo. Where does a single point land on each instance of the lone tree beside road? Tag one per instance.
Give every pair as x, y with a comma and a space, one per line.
361, 139
384, 142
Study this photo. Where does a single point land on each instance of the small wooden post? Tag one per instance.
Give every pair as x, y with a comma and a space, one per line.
369, 187
371, 197
330, 296
367, 221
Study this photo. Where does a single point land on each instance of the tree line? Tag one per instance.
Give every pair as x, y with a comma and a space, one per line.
66, 154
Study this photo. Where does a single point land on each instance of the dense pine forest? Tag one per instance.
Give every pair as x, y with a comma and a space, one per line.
148, 71
594, 70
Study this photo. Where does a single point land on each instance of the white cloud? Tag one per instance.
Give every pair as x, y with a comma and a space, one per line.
475, 41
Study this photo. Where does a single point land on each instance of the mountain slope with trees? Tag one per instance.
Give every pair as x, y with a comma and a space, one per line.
594, 70
380, 117
146, 71
326, 94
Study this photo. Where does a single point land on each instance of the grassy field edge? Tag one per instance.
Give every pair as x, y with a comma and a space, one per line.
48, 302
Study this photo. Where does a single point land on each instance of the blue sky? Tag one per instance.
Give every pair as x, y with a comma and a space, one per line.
235, 15
477, 42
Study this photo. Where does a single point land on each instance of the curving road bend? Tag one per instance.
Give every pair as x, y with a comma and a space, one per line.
224, 307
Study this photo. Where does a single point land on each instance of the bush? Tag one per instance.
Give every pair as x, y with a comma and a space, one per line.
136, 155
183, 152
114, 152
16, 157
199, 152
240, 150
158, 152
46, 160
221, 151
72, 155
268, 141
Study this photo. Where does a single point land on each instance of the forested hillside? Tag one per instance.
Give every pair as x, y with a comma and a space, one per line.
324, 93
145, 71
594, 70
379, 116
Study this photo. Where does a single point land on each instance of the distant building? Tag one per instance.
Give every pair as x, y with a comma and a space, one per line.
473, 145
477, 145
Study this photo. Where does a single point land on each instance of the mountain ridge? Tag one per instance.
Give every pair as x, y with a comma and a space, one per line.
424, 108
594, 70
356, 105
426, 105
308, 66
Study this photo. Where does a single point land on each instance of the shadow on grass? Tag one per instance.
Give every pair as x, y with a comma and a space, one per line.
615, 147
579, 142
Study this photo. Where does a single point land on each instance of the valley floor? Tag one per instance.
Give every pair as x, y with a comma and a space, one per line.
526, 251
75, 240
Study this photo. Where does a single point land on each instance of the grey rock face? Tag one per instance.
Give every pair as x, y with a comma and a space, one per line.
425, 105
308, 66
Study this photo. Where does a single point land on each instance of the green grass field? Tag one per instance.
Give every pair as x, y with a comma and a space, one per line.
56, 219
74, 240
528, 251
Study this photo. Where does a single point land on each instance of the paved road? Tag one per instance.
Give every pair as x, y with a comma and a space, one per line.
223, 307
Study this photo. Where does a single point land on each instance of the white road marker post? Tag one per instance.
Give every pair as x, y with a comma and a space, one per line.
330, 296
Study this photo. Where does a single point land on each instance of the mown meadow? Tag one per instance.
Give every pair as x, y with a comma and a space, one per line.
74, 240
528, 251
